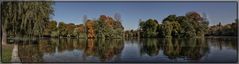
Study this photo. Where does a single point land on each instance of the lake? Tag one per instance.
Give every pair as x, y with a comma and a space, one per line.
208, 49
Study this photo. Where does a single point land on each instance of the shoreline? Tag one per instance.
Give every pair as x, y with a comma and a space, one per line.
35, 38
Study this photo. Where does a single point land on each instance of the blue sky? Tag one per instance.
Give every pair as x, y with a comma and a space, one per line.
131, 12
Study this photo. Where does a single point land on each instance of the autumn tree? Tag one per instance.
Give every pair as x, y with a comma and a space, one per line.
90, 27
80, 31
107, 27
70, 29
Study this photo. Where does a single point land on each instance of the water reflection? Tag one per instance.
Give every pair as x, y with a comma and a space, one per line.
191, 49
29, 52
150, 50
150, 47
223, 42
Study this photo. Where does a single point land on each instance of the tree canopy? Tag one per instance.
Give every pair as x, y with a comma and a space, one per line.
190, 25
25, 17
33, 18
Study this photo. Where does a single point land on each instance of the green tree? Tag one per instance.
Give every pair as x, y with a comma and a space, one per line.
62, 29
171, 27
25, 18
107, 27
101, 27
199, 23
190, 25
149, 28
170, 18
51, 27
235, 27
175, 29
167, 29
187, 29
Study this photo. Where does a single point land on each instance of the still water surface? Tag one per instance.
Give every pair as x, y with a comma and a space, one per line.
213, 49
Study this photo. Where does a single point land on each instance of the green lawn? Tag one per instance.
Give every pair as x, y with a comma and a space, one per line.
6, 53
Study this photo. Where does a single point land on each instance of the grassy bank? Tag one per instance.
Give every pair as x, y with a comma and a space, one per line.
6, 53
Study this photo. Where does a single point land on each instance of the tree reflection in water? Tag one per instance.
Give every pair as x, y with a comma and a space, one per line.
107, 49
29, 52
229, 42
191, 49
188, 49
90, 48
149, 46
194, 49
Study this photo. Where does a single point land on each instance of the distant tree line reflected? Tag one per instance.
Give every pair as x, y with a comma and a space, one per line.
105, 50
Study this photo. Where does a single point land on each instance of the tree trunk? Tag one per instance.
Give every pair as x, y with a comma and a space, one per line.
15, 57
4, 37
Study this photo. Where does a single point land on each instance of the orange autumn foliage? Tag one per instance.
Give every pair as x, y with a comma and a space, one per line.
90, 29
108, 20
80, 28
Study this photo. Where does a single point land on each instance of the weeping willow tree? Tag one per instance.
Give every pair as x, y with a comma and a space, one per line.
25, 18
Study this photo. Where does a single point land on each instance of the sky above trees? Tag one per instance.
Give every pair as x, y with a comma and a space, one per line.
131, 12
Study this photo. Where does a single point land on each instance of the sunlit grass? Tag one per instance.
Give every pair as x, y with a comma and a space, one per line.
6, 53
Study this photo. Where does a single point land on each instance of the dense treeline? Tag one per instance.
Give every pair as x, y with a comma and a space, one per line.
104, 27
132, 33
190, 25
224, 30
32, 19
